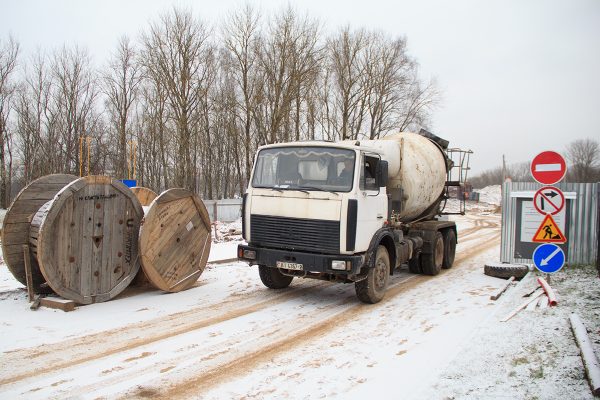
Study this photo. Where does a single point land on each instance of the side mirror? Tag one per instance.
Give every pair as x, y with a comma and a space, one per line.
382, 173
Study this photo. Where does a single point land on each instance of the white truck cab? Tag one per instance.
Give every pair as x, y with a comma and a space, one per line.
322, 210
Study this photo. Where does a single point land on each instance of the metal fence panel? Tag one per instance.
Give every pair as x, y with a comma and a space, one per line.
225, 210
583, 223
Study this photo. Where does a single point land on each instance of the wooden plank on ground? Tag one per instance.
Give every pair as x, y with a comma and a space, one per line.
533, 297
58, 303
502, 289
590, 361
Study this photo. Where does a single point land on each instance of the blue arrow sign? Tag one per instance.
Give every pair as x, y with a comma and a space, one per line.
548, 258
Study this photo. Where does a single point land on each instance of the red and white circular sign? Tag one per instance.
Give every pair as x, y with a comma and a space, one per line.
548, 167
549, 200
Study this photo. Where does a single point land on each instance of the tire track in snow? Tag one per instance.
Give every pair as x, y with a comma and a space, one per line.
179, 324
65, 354
206, 379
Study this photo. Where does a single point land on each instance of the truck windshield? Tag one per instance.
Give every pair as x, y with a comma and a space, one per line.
305, 168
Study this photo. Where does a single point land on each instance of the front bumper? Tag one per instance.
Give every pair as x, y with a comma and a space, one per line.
320, 263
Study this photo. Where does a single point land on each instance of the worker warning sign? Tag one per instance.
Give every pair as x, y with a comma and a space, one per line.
531, 220
549, 232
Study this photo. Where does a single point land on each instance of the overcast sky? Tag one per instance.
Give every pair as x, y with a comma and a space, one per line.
517, 77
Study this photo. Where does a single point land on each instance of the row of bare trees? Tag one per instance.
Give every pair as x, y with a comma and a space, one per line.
187, 104
583, 158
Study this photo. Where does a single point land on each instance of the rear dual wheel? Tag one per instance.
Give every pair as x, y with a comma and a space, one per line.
431, 264
414, 264
442, 256
449, 248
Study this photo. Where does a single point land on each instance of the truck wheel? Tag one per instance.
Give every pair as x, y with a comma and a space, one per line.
449, 248
431, 264
372, 289
414, 264
272, 278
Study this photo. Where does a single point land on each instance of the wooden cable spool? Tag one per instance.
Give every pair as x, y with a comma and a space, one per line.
175, 240
15, 232
85, 240
146, 197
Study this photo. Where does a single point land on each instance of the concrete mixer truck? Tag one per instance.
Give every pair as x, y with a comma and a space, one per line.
350, 211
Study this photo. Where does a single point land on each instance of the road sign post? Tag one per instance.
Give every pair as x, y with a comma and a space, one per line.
548, 168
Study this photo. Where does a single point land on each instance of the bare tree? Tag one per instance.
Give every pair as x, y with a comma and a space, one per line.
241, 37
72, 106
175, 54
36, 152
387, 71
198, 108
346, 52
518, 172
584, 156
120, 84
288, 57
417, 103
153, 136
9, 52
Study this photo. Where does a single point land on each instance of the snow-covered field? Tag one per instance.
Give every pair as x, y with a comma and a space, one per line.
230, 337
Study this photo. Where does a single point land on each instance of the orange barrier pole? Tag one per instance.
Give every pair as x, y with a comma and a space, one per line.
549, 291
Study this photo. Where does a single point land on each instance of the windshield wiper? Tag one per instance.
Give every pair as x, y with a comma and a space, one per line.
290, 188
318, 189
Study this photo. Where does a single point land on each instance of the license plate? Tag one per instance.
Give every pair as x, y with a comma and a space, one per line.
289, 265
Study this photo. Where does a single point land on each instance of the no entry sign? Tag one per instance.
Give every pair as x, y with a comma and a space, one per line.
548, 167
549, 200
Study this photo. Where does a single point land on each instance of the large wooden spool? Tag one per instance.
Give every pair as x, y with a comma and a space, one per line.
175, 240
15, 232
85, 240
146, 197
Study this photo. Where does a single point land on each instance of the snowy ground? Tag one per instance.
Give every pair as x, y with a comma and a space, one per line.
229, 337
533, 355
490, 194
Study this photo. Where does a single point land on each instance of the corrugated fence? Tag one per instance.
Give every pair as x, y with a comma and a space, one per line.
582, 218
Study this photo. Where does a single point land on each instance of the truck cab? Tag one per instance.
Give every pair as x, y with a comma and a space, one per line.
322, 210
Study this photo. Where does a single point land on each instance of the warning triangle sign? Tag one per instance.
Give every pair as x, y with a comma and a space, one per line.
549, 232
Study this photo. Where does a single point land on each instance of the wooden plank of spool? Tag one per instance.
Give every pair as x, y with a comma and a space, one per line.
144, 195
15, 232
175, 240
27, 257
87, 239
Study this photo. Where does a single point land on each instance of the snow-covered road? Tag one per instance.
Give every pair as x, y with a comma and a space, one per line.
229, 337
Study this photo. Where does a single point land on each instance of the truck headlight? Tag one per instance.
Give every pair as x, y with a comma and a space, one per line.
338, 265
247, 254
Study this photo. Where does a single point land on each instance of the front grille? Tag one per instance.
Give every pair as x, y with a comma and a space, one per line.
295, 233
